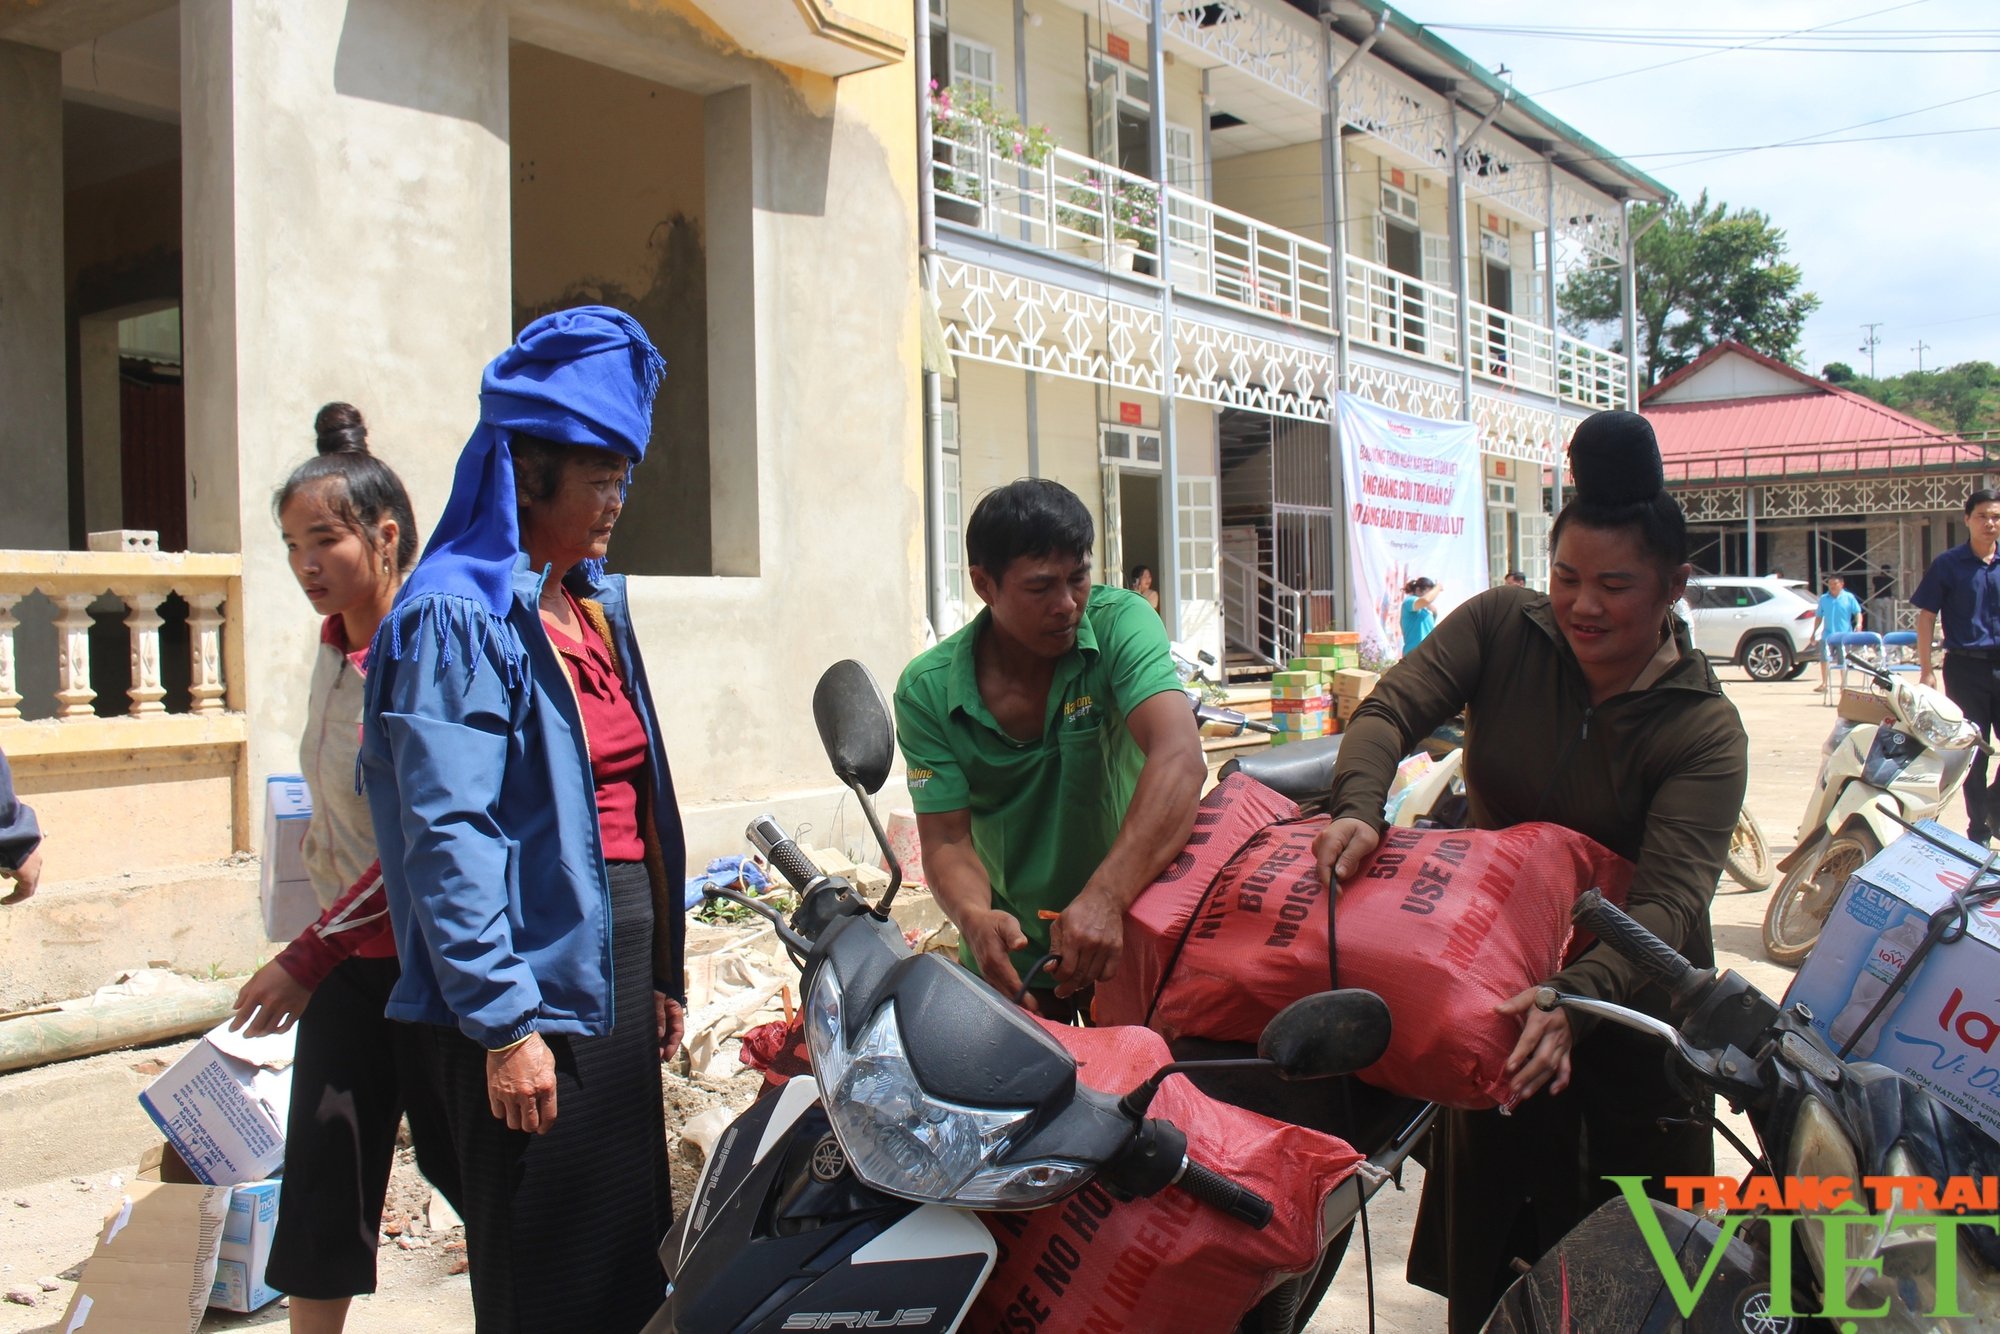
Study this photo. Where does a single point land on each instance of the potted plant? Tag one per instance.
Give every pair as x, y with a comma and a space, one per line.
1131, 208
971, 139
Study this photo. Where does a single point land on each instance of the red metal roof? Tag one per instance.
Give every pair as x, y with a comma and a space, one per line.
1821, 430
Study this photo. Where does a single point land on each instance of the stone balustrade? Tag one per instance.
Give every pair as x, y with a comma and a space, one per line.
76, 583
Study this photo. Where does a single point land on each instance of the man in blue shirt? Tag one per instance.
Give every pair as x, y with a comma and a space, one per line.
1963, 586
1839, 613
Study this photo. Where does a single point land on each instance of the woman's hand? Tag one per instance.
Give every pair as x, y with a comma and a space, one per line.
1341, 848
671, 1021
274, 996
521, 1085
1542, 1055
26, 877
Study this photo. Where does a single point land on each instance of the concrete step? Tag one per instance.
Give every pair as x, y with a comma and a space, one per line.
75, 1118
76, 936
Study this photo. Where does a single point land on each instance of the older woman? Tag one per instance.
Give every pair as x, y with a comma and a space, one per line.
531, 848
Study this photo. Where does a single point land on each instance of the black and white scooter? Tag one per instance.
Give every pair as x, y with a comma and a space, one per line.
847, 1200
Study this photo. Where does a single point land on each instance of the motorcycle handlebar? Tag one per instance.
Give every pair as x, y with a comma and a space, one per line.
769, 837
1212, 1188
1654, 957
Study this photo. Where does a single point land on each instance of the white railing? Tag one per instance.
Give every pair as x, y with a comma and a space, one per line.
1099, 215
1511, 350
1233, 257
1395, 311
1588, 374
1068, 203
1264, 617
77, 583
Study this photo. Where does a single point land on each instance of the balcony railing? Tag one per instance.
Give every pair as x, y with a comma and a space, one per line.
1511, 350
1096, 214
1587, 374
86, 588
1395, 311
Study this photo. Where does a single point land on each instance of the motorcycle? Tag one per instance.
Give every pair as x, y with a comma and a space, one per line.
1907, 767
847, 1198
1817, 1117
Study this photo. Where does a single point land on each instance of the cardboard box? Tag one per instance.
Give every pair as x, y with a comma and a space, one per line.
1292, 693
1344, 707
1864, 706
1320, 703
1353, 683
246, 1247
154, 1265
1282, 679
290, 906
1940, 1033
222, 1106
1337, 638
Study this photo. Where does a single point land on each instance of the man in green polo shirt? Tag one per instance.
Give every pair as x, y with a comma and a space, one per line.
1054, 763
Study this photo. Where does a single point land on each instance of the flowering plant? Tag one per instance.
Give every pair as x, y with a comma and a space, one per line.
960, 118
1133, 208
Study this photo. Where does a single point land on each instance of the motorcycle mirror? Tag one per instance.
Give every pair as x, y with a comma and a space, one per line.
1331, 1033
854, 725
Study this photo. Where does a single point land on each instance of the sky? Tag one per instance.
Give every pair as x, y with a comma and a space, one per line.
1904, 231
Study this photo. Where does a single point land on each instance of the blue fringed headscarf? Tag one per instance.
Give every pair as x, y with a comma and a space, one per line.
585, 376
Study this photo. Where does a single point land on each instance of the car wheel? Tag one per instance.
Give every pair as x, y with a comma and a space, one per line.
1767, 658
1798, 670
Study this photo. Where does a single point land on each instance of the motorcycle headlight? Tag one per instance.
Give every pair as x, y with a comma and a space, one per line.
904, 1142
1908, 1281
1821, 1148
1938, 725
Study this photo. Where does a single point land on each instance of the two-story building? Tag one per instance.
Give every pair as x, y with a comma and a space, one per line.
1163, 236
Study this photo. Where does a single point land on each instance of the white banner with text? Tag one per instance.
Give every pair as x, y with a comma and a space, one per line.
1416, 508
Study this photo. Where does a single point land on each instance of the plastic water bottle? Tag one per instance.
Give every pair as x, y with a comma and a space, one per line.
1886, 957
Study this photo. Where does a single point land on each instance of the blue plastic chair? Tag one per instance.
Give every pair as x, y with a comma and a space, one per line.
1847, 642
1905, 641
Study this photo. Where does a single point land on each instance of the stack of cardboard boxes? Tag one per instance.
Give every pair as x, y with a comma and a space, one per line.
1350, 687
1304, 696
1300, 706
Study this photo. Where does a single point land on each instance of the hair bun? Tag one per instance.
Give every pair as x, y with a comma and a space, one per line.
341, 430
1615, 459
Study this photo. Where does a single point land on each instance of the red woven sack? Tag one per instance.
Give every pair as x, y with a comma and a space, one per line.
1094, 1265
1443, 924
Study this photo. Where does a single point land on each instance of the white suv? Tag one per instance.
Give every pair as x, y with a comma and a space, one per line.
1763, 625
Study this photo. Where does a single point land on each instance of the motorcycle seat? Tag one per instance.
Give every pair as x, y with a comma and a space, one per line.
1301, 770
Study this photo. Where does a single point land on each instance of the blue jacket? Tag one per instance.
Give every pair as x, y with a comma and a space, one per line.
19, 834
478, 777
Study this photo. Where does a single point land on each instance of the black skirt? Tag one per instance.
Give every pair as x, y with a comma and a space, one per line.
563, 1228
355, 1074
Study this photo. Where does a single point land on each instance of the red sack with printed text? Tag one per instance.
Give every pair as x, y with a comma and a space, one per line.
1091, 1264
1443, 924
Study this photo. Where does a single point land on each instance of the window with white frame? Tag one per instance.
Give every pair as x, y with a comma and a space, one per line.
975, 66
951, 537
1130, 445
1500, 516
940, 13
1180, 159
1399, 205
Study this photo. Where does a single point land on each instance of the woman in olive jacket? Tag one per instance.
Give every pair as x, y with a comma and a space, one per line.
1589, 708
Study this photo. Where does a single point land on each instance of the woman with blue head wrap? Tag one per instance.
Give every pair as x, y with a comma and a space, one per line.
531, 847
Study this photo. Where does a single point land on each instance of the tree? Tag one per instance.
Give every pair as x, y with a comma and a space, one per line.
1837, 372
1965, 397
1705, 273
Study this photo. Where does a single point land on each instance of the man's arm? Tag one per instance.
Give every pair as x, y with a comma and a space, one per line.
20, 840
1090, 934
1926, 630
960, 884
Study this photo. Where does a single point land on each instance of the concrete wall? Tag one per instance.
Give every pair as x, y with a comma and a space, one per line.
609, 208
1280, 186
345, 215
34, 510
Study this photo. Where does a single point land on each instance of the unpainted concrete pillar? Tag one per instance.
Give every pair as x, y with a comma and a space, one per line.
346, 236
34, 425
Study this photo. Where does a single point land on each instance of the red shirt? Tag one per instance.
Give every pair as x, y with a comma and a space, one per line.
612, 730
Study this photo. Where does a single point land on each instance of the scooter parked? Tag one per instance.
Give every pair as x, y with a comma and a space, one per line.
1818, 1118
1911, 766
854, 1209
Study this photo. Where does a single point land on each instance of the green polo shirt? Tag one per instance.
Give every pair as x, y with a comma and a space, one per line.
1044, 812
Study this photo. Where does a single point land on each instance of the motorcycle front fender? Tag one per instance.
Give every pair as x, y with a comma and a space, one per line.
1857, 803
1605, 1275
